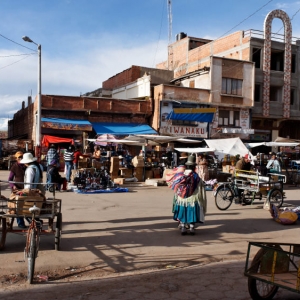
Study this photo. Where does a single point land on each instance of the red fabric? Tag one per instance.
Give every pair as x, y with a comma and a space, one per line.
49, 139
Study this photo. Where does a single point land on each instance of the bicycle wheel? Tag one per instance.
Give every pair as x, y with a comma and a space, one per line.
224, 197
260, 290
275, 197
58, 231
31, 253
2, 232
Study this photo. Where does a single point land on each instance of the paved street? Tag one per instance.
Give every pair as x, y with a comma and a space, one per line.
128, 243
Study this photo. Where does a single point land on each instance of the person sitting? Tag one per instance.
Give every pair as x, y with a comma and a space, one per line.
97, 153
53, 176
244, 163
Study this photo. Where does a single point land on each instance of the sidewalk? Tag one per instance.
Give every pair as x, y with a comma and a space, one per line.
223, 280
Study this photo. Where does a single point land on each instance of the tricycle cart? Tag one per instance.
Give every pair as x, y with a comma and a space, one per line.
30, 205
274, 265
247, 186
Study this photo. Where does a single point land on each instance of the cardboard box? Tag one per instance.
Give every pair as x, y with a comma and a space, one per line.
138, 161
148, 174
21, 204
119, 181
228, 169
126, 173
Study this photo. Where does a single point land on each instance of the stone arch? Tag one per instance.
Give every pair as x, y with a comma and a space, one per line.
280, 14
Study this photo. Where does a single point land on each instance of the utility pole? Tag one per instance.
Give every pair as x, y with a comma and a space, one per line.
170, 20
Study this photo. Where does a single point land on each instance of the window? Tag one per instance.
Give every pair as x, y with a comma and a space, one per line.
232, 86
257, 93
192, 84
256, 53
293, 95
293, 66
229, 117
275, 93
277, 60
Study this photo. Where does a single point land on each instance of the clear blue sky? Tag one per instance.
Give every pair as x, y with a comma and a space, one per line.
84, 42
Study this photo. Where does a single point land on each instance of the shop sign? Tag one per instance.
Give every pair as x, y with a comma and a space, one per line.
186, 131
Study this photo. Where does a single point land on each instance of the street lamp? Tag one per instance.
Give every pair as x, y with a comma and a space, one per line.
39, 91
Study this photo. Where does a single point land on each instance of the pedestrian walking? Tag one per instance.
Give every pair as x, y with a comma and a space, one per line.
69, 158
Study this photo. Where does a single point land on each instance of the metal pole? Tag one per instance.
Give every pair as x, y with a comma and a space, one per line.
38, 123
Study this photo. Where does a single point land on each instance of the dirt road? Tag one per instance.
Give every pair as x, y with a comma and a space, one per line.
108, 234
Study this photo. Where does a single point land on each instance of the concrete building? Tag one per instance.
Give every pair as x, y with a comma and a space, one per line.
277, 69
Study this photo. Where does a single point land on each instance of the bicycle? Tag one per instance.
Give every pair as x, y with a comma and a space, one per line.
32, 242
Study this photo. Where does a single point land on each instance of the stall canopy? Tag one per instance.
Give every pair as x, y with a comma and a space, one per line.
192, 114
195, 150
231, 146
123, 128
48, 139
66, 124
272, 144
285, 140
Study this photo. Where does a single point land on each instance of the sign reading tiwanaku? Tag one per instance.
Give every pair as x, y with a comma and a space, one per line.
185, 131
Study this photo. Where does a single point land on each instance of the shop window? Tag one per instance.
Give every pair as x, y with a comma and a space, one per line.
257, 93
275, 93
232, 86
256, 54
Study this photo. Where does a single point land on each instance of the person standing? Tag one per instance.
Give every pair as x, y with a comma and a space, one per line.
33, 173
17, 172
273, 164
203, 167
52, 154
69, 157
77, 154
189, 202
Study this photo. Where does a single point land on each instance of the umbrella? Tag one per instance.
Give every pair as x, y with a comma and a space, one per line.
105, 139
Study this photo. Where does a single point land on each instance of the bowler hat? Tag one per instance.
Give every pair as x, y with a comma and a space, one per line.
191, 160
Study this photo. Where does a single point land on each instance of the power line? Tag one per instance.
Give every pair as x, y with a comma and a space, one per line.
16, 43
16, 61
17, 55
247, 18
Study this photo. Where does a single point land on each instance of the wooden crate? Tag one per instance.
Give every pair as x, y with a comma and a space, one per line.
21, 204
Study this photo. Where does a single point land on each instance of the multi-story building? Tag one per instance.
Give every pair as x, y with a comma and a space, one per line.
276, 88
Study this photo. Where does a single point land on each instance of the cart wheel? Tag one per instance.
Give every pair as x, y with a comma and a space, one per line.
258, 289
32, 254
51, 188
58, 231
224, 197
2, 232
247, 197
275, 197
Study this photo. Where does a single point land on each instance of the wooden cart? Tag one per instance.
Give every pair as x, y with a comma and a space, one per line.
274, 265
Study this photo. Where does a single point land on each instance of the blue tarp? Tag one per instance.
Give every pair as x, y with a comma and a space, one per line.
115, 190
123, 128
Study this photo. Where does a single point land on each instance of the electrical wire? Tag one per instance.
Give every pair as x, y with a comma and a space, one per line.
15, 61
1, 35
247, 18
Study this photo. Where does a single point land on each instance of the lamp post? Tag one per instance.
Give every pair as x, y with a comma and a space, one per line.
39, 92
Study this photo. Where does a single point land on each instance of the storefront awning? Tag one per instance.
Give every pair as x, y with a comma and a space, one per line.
123, 128
66, 124
192, 114
49, 139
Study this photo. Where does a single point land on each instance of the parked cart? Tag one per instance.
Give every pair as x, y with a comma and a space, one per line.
247, 186
35, 208
274, 266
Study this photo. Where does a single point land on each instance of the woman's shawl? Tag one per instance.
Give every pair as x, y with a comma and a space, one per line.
183, 185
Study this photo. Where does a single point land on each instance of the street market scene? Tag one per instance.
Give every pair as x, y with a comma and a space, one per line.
175, 181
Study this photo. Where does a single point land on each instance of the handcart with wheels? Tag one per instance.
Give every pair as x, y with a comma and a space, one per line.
28, 204
274, 265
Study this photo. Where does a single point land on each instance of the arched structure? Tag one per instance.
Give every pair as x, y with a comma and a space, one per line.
280, 14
